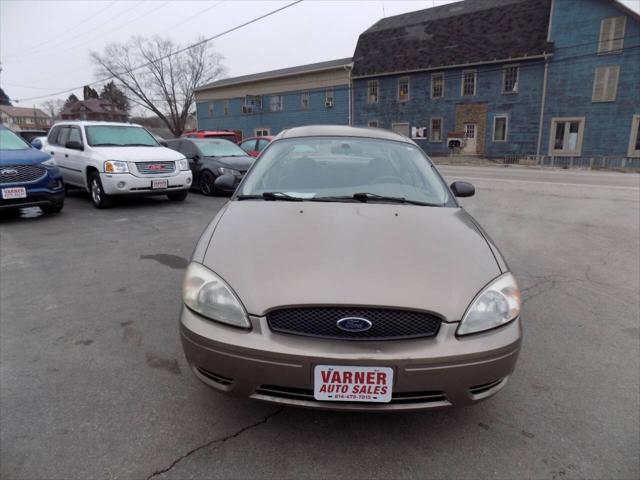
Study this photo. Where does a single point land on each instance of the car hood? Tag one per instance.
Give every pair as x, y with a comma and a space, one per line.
138, 154
275, 254
237, 163
30, 156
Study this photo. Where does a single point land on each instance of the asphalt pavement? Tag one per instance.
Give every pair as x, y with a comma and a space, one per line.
93, 382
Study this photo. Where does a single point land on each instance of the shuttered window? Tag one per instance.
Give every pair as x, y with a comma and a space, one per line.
612, 34
605, 84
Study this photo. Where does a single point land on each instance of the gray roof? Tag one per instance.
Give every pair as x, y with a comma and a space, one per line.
283, 72
23, 111
471, 31
341, 131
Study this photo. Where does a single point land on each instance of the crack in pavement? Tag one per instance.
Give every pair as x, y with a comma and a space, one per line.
219, 441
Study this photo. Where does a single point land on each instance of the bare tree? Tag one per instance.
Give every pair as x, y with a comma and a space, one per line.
53, 108
157, 79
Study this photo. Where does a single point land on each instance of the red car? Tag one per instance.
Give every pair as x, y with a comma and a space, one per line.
227, 134
254, 145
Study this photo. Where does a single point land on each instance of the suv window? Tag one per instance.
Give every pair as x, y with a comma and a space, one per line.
75, 135
262, 143
248, 145
63, 138
53, 135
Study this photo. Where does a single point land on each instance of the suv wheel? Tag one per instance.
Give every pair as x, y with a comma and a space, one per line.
53, 207
178, 196
207, 181
98, 197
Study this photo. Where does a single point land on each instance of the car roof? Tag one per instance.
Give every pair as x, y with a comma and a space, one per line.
342, 131
88, 123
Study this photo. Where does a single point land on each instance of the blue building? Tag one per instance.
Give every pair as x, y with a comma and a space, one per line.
268, 102
505, 78
592, 104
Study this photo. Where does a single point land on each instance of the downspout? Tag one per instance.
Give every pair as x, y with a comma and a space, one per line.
542, 105
349, 68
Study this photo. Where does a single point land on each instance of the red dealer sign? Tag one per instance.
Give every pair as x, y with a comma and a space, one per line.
352, 383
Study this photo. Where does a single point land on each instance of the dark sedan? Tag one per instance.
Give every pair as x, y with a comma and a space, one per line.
210, 158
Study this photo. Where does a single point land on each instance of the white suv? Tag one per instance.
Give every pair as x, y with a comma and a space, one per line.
111, 159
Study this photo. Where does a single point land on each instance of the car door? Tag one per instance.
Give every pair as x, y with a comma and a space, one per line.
249, 146
192, 154
56, 148
75, 158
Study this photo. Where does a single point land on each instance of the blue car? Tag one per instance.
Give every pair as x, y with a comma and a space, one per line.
28, 176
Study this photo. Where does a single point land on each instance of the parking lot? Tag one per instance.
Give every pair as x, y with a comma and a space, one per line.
94, 383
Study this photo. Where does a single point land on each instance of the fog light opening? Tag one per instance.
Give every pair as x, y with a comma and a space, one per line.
188, 180
121, 184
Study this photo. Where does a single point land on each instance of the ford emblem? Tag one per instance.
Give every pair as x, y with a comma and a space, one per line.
8, 172
354, 324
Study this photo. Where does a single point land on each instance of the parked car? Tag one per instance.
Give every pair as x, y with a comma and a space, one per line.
29, 135
358, 282
227, 134
209, 158
111, 159
254, 145
28, 177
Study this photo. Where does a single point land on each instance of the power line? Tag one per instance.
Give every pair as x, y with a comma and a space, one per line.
197, 44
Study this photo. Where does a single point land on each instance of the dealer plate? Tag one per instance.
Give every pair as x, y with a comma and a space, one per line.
159, 183
14, 192
336, 383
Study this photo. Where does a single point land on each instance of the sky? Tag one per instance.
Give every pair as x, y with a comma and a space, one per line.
45, 44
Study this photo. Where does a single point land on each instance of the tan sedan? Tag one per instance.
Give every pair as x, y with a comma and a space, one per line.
344, 275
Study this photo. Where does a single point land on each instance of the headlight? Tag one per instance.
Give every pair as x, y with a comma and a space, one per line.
116, 166
228, 171
183, 164
498, 304
207, 294
49, 163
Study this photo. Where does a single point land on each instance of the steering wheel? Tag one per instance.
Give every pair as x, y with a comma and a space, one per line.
387, 179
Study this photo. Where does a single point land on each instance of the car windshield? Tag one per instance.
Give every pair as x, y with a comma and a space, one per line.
211, 147
119, 136
336, 169
11, 141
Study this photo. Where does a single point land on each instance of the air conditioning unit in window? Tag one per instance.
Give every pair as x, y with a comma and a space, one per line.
328, 103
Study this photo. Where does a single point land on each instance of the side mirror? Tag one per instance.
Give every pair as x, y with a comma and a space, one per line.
36, 143
163, 143
195, 158
73, 145
225, 182
463, 189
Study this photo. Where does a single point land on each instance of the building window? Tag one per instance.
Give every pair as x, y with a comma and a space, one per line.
373, 91
435, 132
510, 77
566, 136
437, 85
276, 103
373, 123
500, 126
328, 98
469, 83
226, 107
210, 108
304, 100
403, 89
262, 132
634, 141
605, 84
612, 35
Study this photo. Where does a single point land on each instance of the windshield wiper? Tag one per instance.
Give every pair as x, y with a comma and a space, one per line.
271, 196
106, 145
365, 197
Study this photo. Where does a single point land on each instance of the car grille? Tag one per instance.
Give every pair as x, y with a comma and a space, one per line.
20, 173
307, 395
387, 324
155, 167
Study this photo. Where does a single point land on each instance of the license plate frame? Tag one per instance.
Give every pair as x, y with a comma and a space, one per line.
11, 193
159, 184
370, 385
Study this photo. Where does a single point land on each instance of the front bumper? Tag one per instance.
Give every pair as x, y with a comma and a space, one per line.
126, 183
46, 191
428, 373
